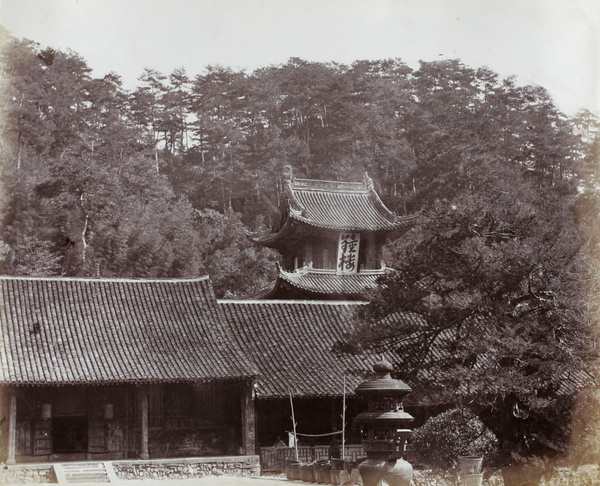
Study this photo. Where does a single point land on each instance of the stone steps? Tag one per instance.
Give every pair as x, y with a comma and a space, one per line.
84, 472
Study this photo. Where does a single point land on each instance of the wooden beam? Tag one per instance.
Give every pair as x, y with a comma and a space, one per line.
12, 428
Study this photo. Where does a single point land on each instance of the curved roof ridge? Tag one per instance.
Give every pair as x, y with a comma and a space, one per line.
330, 284
108, 279
325, 185
292, 301
378, 202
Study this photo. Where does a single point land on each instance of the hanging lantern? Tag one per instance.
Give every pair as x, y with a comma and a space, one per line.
46, 411
108, 411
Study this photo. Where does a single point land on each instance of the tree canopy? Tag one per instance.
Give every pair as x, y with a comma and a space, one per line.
494, 277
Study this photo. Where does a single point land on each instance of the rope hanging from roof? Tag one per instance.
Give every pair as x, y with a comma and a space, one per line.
339, 432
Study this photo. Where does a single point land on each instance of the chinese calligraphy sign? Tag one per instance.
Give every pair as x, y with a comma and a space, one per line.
348, 247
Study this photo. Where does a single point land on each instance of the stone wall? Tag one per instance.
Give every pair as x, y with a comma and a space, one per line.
27, 474
187, 443
249, 465
188, 468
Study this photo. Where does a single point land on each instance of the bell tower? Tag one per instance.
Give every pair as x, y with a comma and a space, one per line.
330, 235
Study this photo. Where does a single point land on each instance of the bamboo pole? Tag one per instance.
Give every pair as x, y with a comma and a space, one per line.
294, 424
344, 420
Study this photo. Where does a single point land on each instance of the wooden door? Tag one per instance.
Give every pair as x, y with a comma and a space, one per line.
42, 437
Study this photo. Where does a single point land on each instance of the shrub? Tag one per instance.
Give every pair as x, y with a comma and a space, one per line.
456, 432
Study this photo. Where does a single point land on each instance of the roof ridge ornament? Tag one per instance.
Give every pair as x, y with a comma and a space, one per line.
368, 182
288, 174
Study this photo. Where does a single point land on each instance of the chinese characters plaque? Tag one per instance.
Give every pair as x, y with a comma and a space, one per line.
348, 253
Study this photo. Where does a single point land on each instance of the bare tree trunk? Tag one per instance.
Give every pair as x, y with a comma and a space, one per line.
84, 243
83, 240
19, 151
19, 137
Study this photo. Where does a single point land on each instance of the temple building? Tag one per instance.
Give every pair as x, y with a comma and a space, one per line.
330, 235
107, 369
97, 369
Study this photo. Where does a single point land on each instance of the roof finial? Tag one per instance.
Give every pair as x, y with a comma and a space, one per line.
383, 367
368, 182
288, 173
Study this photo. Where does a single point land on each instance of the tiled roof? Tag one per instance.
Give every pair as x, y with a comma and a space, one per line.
329, 283
83, 331
343, 206
291, 343
77, 331
334, 206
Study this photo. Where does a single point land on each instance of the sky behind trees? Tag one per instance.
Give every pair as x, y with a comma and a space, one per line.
553, 43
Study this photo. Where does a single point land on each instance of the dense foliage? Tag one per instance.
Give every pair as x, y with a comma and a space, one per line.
165, 181
457, 432
86, 187
498, 272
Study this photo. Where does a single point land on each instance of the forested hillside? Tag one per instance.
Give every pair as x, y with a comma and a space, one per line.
165, 180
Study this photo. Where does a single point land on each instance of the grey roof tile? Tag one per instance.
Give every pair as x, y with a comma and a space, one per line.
291, 343
78, 331
335, 206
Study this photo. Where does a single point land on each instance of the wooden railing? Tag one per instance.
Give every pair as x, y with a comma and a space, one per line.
273, 458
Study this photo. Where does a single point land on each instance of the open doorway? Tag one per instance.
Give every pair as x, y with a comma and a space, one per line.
69, 435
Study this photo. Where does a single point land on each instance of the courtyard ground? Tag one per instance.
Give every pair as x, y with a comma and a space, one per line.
209, 480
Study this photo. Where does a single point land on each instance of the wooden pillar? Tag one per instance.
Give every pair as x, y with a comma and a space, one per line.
334, 414
308, 254
378, 253
143, 399
12, 428
248, 419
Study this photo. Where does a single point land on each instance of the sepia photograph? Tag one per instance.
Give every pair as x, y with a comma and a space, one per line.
278, 242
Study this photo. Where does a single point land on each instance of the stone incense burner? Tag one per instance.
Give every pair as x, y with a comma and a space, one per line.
384, 428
